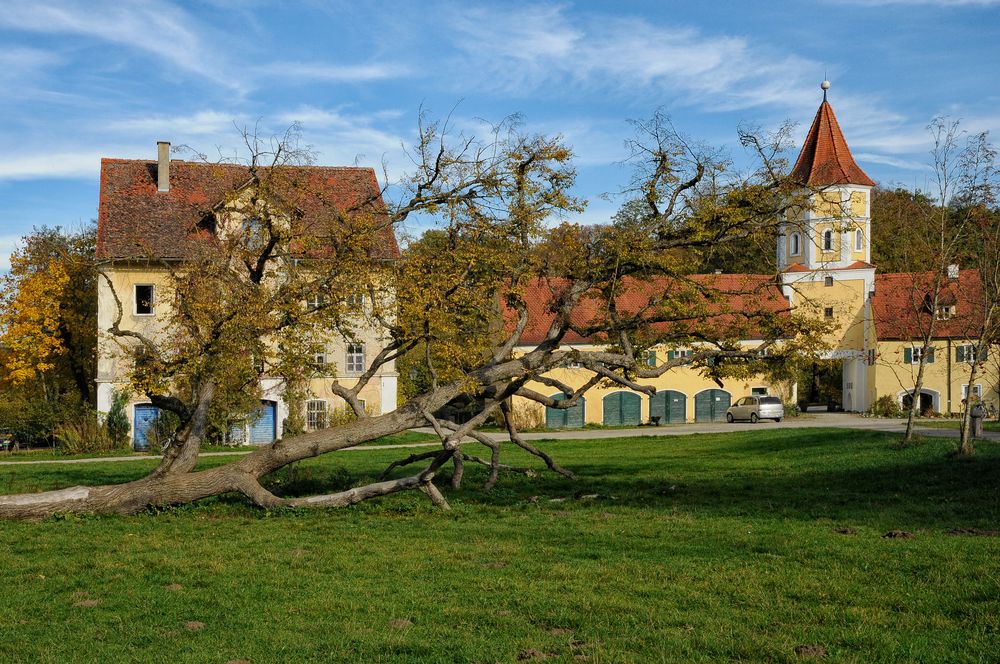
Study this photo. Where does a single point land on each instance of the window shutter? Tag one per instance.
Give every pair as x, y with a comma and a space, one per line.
908, 355
984, 354
960, 353
651, 358
930, 355
671, 355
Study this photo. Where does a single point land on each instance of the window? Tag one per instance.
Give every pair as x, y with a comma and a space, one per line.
758, 391
253, 234
828, 281
859, 240
316, 301
356, 301
827, 240
355, 358
319, 359
967, 353
913, 355
828, 312
680, 352
363, 404
144, 294
316, 415
977, 392
795, 241
650, 358
944, 312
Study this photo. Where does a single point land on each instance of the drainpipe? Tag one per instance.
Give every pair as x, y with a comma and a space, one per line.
949, 376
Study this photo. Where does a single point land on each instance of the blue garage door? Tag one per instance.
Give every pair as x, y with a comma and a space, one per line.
622, 409
670, 406
263, 424
145, 414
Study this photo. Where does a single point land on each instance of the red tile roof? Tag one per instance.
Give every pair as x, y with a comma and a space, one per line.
135, 220
899, 311
740, 298
825, 158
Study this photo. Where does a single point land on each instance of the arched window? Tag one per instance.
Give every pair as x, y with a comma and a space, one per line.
795, 244
827, 240
859, 240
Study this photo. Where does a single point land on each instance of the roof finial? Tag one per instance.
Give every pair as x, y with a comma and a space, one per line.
826, 86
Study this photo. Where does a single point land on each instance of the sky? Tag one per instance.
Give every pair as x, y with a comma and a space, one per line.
91, 79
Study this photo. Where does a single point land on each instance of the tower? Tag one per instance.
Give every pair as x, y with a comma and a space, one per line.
824, 251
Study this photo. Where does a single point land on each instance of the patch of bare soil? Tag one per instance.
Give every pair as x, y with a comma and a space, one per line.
194, 625
173, 587
87, 603
810, 651
898, 534
401, 623
531, 654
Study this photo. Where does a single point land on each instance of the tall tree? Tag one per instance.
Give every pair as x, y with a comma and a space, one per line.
264, 287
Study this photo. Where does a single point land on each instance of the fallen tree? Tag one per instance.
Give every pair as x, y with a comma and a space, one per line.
263, 278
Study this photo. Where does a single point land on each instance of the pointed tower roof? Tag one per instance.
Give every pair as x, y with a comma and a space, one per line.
825, 158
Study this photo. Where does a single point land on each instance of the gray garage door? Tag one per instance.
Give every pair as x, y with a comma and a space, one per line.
560, 418
711, 405
622, 409
670, 406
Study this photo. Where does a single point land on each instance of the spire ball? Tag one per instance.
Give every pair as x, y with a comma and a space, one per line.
825, 85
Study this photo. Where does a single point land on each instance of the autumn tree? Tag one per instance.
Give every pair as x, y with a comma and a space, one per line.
258, 286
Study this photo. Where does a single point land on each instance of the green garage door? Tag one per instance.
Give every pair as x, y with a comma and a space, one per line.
670, 406
558, 418
622, 409
711, 405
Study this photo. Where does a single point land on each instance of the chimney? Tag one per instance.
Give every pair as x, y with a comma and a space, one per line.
953, 272
163, 166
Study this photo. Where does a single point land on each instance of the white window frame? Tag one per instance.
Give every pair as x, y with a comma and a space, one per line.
796, 241
319, 359
316, 416
859, 240
915, 354
356, 301
683, 352
152, 300
363, 404
977, 391
827, 245
315, 301
355, 359
944, 312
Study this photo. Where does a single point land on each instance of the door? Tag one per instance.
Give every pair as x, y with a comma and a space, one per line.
711, 405
263, 424
559, 418
670, 406
622, 409
144, 416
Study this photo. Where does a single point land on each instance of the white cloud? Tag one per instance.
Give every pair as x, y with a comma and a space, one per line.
157, 28
202, 123
907, 164
32, 166
318, 71
7, 245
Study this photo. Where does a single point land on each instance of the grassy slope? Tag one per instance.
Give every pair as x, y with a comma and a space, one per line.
715, 547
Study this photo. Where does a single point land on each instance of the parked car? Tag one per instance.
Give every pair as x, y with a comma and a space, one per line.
756, 408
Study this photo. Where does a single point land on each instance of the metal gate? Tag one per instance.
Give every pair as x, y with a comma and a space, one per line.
559, 418
711, 405
263, 424
622, 409
670, 406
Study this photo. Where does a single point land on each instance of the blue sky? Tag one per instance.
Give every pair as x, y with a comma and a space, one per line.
97, 78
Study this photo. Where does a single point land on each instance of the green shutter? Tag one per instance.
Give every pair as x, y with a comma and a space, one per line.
908, 355
651, 358
930, 355
960, 353
671, 355
984, 353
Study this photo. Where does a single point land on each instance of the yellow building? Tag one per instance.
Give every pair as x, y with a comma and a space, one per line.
148, 211
824, 262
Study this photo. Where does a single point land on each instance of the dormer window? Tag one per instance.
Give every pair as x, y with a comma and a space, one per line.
828, 240
944, 312
795, 242
144, 294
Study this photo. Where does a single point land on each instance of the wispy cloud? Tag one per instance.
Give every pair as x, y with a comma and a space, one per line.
7, 245
32, 166
202, 123
157, 28
340, 73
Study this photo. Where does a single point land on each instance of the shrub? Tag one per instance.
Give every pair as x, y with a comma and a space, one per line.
885, 406
30, 421
116, 421
83, 434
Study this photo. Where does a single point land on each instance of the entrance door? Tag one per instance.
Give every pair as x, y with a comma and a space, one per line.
144, 416
711, 405
559, 418
926, 402
670, 406
263, 424
622, 409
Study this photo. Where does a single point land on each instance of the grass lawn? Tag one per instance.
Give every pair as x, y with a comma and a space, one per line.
954, 424
701, 548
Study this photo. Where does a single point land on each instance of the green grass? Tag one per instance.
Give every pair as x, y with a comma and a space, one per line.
700, 548
954, 424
